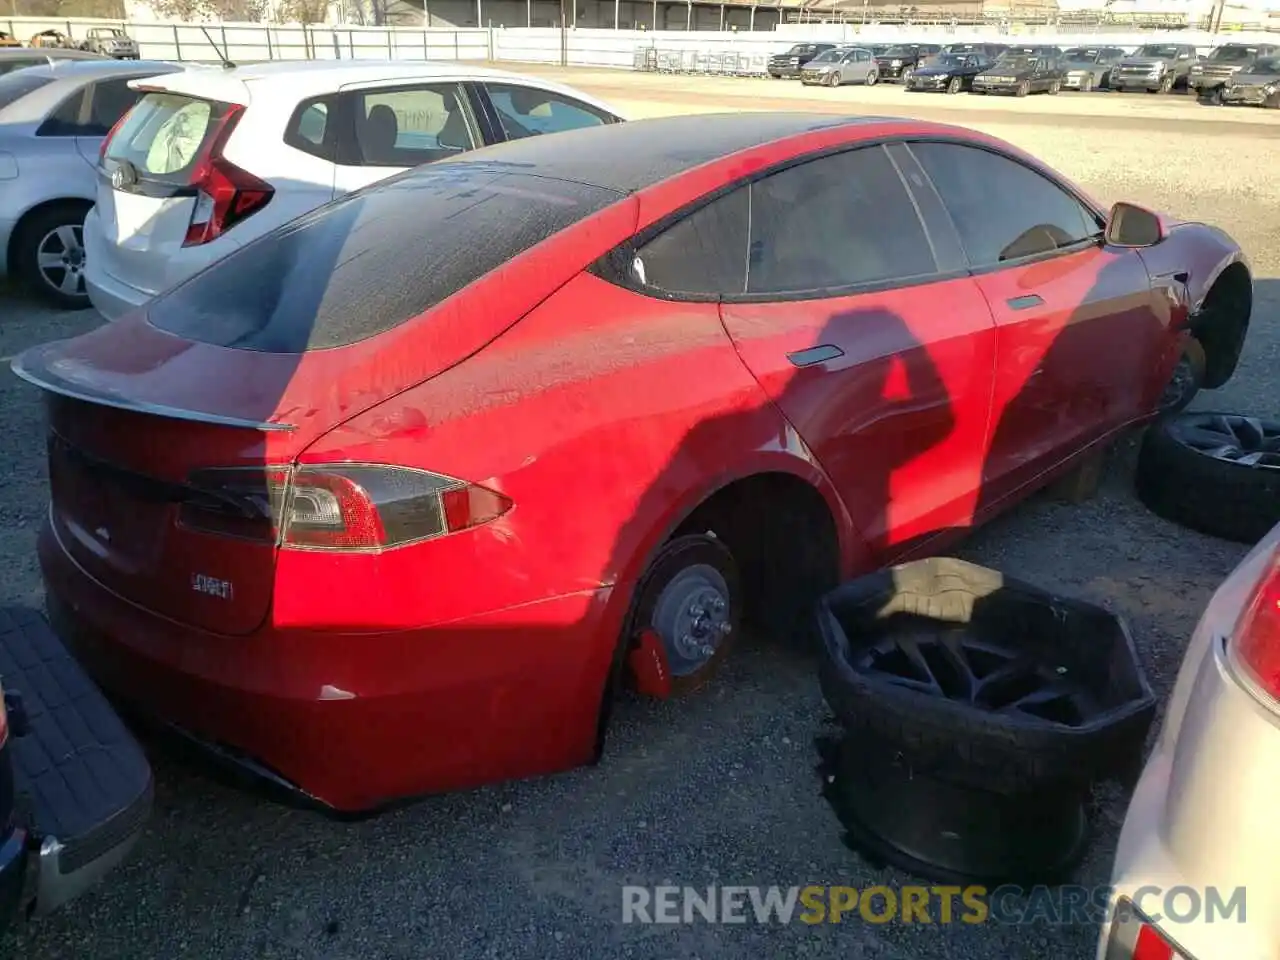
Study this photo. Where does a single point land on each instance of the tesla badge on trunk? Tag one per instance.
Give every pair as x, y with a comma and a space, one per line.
211, 586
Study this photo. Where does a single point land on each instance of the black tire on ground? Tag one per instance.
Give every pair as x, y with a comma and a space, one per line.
834, 79
1023, 89
32, 235
988, 749
906, 75
954, 84
1086, 83
1209, 494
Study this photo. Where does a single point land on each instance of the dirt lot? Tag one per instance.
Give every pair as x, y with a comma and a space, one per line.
720, 789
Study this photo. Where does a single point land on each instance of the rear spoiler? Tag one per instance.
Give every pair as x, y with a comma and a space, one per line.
32, 367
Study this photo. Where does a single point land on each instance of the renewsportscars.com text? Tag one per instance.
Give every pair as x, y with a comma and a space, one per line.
814, 904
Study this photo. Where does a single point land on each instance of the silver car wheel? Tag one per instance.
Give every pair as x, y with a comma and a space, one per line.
60, 259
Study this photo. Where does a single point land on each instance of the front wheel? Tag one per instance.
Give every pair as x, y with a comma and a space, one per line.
953, 85
1054, 87
49, 255
833, 80
1086, 83
872, 77
1023, 89
1166, 85
689, 607
906, 76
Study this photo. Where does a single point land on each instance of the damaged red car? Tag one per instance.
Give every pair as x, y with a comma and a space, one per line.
392, 500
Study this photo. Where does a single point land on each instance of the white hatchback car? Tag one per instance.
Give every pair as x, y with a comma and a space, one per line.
210, 160
1195, 874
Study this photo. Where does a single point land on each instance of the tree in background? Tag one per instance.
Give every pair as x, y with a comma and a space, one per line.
305, 12
106, 9
243, 11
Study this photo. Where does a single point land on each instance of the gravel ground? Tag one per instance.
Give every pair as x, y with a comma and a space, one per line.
719, 789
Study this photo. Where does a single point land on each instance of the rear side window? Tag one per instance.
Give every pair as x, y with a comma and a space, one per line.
374, 259
311, 128
406, 126
164, 134
15, 86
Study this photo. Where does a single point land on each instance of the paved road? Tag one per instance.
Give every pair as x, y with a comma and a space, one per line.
720, 789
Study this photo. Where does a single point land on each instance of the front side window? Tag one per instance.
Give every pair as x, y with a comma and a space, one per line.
824, 225
1003, 210
529, 111
406, 126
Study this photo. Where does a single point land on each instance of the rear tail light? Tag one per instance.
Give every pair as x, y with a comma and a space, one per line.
1256, 643
343, 507
1133, 937
226, 194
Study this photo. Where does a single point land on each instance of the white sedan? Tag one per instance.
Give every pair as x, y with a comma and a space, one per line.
1196, 873
209, 160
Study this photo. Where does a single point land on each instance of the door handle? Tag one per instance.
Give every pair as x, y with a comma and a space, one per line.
1023, 303
819, 354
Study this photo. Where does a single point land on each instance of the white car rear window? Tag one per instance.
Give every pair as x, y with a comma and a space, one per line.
163, 134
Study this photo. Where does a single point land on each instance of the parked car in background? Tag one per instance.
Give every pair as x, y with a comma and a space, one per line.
212, 159
1089, 68
9, 40
51, 39
394, 396
949, 72
1203, 815
1258, 85
989, 50
1155, 67
1045, 50
1020, 74
19, 59
110, 42
790, 62
1208, 76
53, 119
900, 60
841, 65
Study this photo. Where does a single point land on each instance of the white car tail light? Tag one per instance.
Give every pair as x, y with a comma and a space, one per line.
226, 194
1256, 643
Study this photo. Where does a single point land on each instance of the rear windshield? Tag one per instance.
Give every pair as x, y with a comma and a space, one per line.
163, 134
15, 86
367, 263
1233, 54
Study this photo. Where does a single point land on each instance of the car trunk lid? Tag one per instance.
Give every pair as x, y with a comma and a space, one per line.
249, 362
147, 191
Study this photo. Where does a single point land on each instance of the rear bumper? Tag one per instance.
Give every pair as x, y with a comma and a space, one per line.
354, 722
6, 233
114, 297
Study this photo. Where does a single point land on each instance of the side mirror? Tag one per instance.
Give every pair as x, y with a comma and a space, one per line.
1129, 225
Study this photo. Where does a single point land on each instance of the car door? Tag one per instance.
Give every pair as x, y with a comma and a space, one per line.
1078, 323
872, 340
391, 127
524, 110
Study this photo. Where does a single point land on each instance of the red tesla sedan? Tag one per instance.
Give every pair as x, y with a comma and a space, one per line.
392, 500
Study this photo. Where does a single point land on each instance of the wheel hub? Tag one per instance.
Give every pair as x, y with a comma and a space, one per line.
1246, 441
60, 259
693, 617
